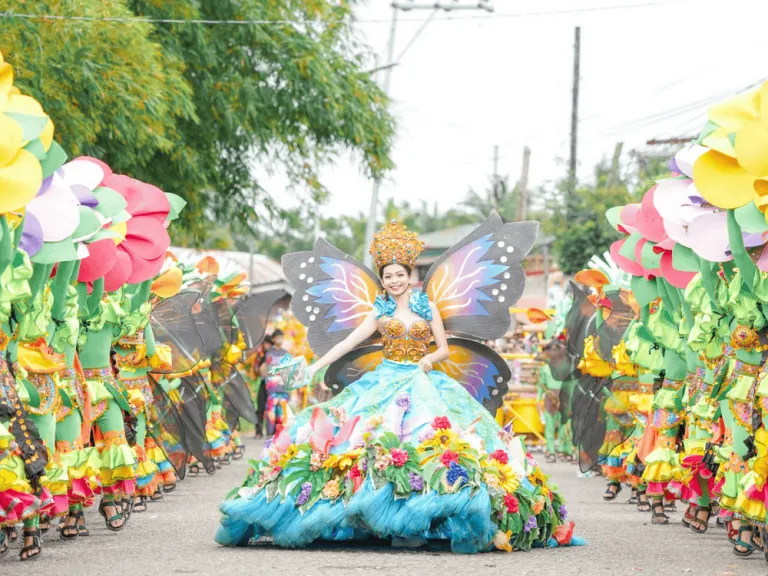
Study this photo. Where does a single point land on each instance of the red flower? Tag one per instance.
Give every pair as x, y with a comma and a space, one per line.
564, 533
513, 506
441, 423
399, 457
501, 456
448, 457
354, 472
551, 495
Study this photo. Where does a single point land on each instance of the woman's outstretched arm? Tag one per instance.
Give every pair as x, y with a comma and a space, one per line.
355, 338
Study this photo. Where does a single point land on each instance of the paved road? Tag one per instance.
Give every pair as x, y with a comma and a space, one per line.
176, 537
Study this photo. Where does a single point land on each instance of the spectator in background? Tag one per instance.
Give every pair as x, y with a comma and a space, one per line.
261, 389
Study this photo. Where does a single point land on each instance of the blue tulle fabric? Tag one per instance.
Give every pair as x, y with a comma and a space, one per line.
462, 519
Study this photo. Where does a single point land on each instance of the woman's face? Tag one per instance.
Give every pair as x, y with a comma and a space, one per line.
395, 279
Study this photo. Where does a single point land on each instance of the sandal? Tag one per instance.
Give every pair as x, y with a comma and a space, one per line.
69, 531
757, 539
31, 551
140, 504
110, 521
659, 518
748, 547
239, 453
169, 487
5, 542
193, 470
764, 537
633, 497
733, 531
156, 496
698, 524
13, 534
611, 494
126, 508
643, 505
45, 524
550, 458
670, 506
689, 516
82, 530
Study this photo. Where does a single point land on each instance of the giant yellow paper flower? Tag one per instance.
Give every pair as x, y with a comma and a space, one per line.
734, 171
22, 121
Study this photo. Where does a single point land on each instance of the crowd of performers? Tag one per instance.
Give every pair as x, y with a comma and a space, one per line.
118, 365
662, 359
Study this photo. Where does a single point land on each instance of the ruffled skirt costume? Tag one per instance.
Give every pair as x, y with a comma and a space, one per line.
397, 454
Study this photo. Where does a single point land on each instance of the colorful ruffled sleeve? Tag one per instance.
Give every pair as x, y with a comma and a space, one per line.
419, 305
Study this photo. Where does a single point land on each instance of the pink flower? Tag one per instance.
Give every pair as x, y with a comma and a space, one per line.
513, 506
448, 457
399, 457
354, 472
500, 456
441, 423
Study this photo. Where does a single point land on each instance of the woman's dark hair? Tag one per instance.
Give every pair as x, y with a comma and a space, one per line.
268, 339
407, 269
277, 333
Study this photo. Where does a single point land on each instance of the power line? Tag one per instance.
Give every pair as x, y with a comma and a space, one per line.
447, 18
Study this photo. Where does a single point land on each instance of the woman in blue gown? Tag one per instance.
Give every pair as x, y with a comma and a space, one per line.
408, 450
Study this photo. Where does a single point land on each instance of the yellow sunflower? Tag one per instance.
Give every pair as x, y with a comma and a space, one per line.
288, 455
342, 462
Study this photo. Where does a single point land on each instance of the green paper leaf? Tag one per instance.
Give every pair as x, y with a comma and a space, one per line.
36, 148
645, 290
32, 126
121, 217
110, 202
103, 234
53, 252
628, 249
89, 223
34, 396
750, 219
54, 159
613, 215
684, 259
650, 259
177, 205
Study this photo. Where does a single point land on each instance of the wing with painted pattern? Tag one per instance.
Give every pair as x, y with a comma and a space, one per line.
479, 369
476, 281
334, 293
483, 373
351, 367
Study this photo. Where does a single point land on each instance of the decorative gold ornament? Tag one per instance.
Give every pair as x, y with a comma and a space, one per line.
745, 338
395, 244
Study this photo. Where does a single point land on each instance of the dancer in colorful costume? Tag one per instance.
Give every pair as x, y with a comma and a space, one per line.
404, 452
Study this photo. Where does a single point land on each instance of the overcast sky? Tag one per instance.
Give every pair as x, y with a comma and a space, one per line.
472, 80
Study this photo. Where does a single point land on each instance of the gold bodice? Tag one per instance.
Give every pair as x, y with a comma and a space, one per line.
403, 344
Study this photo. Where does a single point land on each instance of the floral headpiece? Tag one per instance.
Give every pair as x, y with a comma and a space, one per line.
394, 244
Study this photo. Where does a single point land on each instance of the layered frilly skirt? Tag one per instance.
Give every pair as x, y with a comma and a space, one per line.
397, 454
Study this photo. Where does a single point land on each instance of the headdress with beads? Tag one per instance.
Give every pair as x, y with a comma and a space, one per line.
394, 244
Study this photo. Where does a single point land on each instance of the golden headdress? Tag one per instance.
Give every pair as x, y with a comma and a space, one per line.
394, 244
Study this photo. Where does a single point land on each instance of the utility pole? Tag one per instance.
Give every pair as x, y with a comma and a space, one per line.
387, 67
613, 175
570, 201
522, 212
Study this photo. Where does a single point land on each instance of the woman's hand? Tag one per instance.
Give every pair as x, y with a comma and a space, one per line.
425, 364
312, 370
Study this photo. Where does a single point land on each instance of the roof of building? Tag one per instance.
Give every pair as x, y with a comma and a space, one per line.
262, 271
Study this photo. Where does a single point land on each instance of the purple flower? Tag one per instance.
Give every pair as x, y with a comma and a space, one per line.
455, 472
364, 465
268, 443
404, 401
530, 524
303, 497
416, 482
563, 513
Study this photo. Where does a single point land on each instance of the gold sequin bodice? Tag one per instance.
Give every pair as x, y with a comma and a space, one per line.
403, 344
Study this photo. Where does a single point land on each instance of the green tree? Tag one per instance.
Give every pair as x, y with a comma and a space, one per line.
111, 92
192, 108
291, 95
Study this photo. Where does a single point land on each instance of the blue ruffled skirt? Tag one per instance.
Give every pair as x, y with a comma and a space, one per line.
409, 455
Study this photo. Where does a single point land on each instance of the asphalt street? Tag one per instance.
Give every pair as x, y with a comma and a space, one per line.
175, 536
